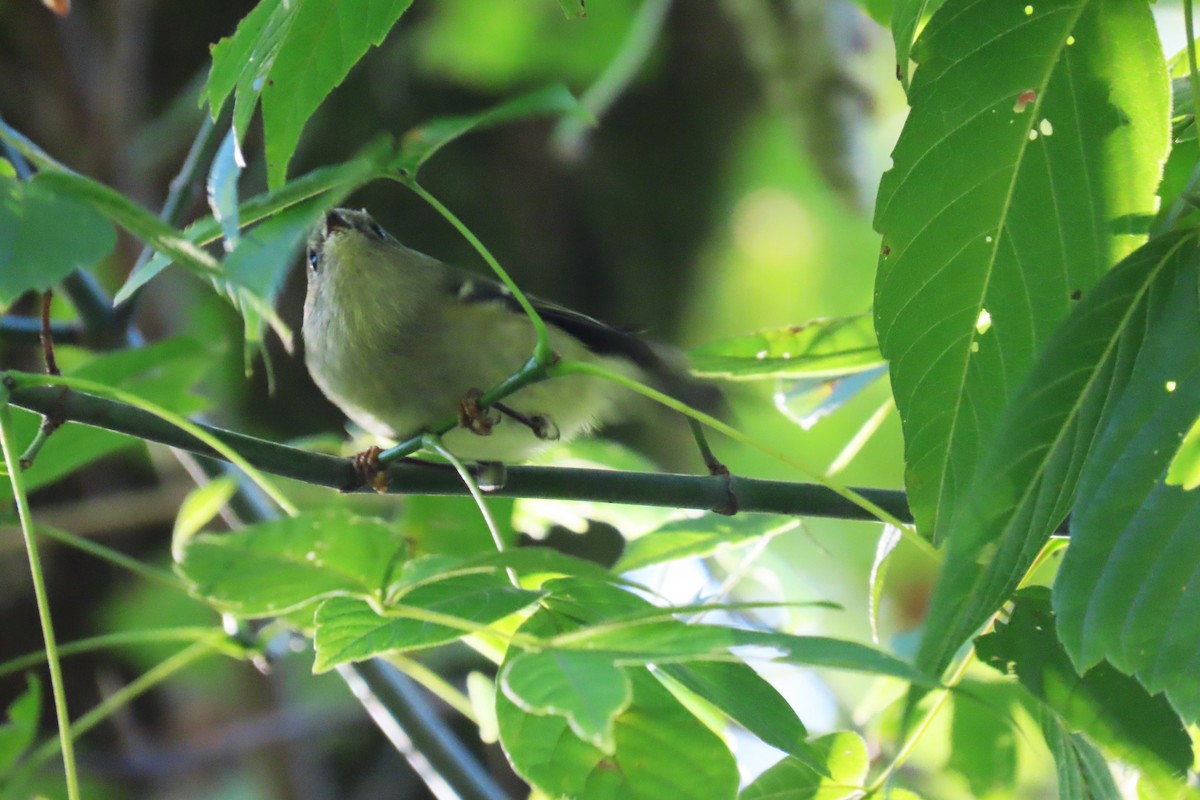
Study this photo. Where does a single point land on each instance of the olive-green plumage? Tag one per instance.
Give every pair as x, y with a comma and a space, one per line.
397, 339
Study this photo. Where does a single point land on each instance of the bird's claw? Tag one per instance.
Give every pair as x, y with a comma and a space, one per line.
544, 428
474, 417
369, 471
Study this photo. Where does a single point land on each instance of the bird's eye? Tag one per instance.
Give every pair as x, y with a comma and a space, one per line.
313, 261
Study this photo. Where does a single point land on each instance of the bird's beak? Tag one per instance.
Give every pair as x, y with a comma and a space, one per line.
335, 221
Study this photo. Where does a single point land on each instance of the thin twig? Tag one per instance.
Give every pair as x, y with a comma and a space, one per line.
595, 485
434, 443
179, 193
28, 330
51, 421
48, 336
418, 733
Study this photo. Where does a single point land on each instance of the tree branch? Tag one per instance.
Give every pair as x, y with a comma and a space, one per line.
406, 717
28, 330
596, 485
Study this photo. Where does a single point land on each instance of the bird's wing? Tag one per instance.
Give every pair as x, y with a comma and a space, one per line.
667, 367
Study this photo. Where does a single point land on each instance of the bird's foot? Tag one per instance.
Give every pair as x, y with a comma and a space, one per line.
473, 416
369, 471
541, 425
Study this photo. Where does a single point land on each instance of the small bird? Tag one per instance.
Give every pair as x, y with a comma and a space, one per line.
401, 341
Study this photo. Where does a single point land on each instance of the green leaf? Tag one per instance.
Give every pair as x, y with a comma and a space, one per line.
983, 741
821, 348
1127, 589
293, 55
651, 642
573, 8
629, 634
748, 699
844, 755
222, 188
659, 748
806, 401
907, 16
1026, 484
1113, 709
452, 526
1029, 161
1183, 110
731, 687
18, 733
325, 40
198, 509
111, 204
888, 539
163, 373
352, 630
1083, 773
637, 636
333, 182
242, 62
134, 219
1185, 464
274, 567
264, 254
587, 689
1177, 210
878, 10
419, 144
699, 536
546, 562
45, 234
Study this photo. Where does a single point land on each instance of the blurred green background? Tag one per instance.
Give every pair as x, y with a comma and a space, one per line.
727, 189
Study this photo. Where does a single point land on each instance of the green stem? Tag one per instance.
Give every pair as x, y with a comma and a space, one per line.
43, 602
16, 380
1050, 548
532, 372
140, 685
542, 352
435, 684
212, 636
396, 609
585, 368
179, 193
862, 436
921, 727
591, 485
110, 555
434, 443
